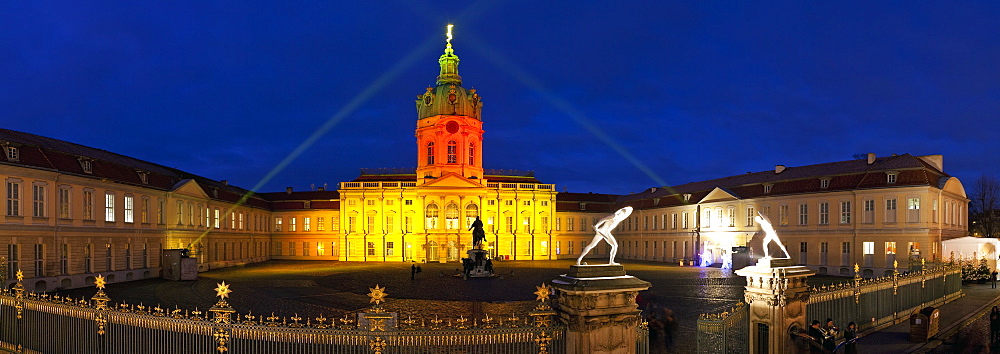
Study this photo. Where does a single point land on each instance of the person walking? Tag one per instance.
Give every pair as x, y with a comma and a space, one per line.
851, 338
994, 325
413, 270
993, 276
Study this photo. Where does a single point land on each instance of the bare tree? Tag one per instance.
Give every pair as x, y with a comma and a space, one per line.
984, 206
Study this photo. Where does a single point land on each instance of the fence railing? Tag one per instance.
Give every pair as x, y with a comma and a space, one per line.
871, 303
42, 323
878, 302
725, 330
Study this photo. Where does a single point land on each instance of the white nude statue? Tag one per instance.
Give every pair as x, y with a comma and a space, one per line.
603, 228
769, 235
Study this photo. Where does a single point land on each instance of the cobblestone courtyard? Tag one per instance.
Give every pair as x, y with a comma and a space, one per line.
312, 288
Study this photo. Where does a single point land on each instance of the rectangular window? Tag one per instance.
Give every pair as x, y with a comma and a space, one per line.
583, 224
890, 248
845, 212
180, 212
109, 207
38, 201
216, 218
232, 220
64, 203
750, 216
305, 248
545, 224
890, 210
371, 224
241, 221
824, 183
13, 199
707, 221
320, 223
526, 223
558, 224
129, 209
673, 221
208, 216
783, 214
408, 223
410, 202
390, 248
803, 214
509, 222
145, 210
732, 217
334, 223
390, 223
934, 211
845, 247
88, 205
684, 220
277, 224
351, 223
371, 248
868, 214
569, 224
306, 224
824, 247
12, 261
292, 226
824, 213
64, 259
161, 206
912, 209
39, 260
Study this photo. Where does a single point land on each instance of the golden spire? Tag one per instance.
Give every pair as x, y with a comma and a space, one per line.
449, 62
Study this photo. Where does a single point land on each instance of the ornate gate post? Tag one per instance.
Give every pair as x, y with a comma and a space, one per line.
597, 304
777, 293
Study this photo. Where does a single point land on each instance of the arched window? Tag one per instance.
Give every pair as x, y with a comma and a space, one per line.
452, 152
472, 154
451, 216
431, 216
471, 212
430, 153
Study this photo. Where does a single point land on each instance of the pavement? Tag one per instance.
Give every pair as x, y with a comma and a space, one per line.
963, 327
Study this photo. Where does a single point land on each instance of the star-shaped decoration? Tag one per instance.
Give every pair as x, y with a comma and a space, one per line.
543, 292
222, 290
100, 282
19, 275
377, 295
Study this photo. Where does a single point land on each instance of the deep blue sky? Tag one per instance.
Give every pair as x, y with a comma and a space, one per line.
685, 91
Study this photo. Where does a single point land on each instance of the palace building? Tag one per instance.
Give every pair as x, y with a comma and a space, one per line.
73, 212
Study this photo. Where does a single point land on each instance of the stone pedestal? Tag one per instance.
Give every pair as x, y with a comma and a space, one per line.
479, 264
776, 292
597, 304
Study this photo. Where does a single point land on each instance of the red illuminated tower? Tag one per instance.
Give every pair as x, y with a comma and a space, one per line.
449, 126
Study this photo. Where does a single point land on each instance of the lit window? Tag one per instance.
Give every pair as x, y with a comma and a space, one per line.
891, 177
38, 201
472, 154
305, 225
452, 152
767, 188
430, 153
109, 207
277, 224
129, 209
845, 212
13, 199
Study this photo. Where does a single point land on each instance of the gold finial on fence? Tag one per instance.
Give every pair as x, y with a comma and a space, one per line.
543, 340
222, 290
222, 339
222, 310
377, 344
377, 296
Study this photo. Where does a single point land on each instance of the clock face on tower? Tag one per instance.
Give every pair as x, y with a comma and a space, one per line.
452, 127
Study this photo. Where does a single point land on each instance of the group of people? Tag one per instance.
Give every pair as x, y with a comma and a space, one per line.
825, 336
660, 320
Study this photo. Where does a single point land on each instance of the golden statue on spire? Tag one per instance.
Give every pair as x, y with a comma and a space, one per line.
449, 34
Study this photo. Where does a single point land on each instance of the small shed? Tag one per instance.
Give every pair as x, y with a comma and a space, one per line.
924, 324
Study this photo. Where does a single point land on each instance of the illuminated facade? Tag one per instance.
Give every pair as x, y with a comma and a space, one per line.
872, 212
72, 211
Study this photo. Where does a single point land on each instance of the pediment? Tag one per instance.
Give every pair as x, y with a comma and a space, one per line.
718, 195
452, 180
189, 187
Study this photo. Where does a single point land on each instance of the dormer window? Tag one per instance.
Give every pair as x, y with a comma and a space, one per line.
12, 154
767, 188
687, 198
215, 194
143, 176
583, 206
824, 183
86, 165
890, 177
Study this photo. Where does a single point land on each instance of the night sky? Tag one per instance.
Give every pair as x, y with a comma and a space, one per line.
594, 96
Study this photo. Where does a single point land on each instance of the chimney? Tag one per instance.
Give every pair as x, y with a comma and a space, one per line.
779, 169
225, 182
652, 190
288, 190
871, 158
